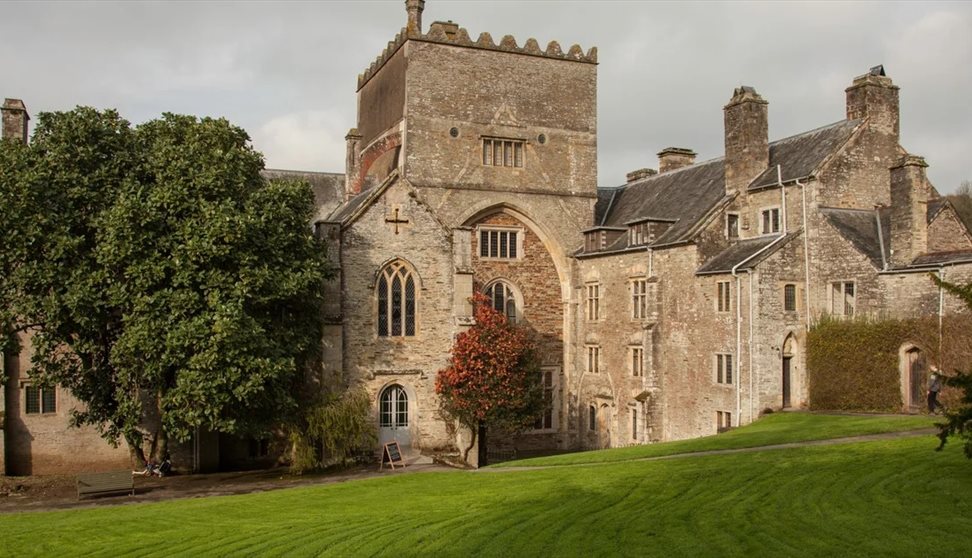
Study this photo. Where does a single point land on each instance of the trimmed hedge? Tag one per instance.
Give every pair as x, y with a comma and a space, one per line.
853, 364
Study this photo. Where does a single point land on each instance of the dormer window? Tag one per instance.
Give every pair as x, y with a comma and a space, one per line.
503, 152
639, 234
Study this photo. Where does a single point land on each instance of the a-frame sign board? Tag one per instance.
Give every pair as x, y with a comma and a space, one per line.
391, 454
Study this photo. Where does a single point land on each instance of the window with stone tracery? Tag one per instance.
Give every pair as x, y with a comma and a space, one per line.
505, 299
396, 301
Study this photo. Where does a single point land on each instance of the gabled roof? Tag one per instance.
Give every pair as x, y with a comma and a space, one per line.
346, 212
683, 196
800, 155
860, 227
742, 251
935, 207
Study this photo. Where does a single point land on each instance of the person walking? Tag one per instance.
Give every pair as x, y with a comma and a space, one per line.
934, 386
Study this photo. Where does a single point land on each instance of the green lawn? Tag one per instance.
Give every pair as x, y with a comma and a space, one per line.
885, 498
779, 428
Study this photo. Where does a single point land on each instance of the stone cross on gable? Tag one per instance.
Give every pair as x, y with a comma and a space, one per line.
396, 220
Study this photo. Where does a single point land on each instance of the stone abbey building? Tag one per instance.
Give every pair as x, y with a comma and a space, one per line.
672, 306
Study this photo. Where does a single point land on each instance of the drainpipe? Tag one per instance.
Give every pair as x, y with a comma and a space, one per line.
806, 253
752, 371
779, 180
941, 313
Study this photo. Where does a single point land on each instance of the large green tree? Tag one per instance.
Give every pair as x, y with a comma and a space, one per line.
162, 279
493, 377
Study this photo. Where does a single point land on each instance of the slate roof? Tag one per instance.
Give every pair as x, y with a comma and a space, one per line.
343, 212
800, 155
688, 194
943, 257
684, 195
328, 188
740, 252
859, 226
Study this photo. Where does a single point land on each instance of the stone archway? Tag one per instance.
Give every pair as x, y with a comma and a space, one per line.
787, 372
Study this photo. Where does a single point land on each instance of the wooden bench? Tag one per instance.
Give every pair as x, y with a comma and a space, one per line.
105, 483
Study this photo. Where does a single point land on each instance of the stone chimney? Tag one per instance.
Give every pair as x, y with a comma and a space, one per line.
448, 28
672, 158
875, 97
747, 138
15, 120
637, 175
414, 9
910, 193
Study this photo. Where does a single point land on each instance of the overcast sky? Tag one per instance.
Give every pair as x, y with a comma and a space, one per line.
287, 71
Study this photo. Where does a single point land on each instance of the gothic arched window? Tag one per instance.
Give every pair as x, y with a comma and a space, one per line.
505, 300
396, 301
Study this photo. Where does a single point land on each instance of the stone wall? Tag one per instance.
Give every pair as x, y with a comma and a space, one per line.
374, 362
947, 232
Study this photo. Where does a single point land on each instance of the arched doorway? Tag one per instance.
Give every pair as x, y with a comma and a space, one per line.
914, 376
393, 416
604, 427
787, 370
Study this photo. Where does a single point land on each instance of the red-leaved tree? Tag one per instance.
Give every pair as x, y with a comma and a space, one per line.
493, 377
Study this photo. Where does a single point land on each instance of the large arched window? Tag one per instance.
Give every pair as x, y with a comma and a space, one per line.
396, 301
505, 299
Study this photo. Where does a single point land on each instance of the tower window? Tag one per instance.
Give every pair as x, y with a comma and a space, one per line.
499, 152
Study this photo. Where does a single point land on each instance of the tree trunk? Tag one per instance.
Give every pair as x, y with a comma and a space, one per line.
482, 445
472, 442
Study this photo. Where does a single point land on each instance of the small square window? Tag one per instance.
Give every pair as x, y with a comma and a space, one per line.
503, 152
843, 299
38, 400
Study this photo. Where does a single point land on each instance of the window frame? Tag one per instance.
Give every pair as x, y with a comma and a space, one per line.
639, 298
41, 399
774, 215
732, 216
592, 298
487, 232
790, 303
593, 361
840, 287
636, 361
724, 368
503, 152
547, 421
723, 297
510, 292
405, 321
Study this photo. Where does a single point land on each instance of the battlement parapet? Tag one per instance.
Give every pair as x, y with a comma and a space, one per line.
449, 33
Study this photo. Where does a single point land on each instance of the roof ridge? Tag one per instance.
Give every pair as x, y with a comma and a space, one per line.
815, 130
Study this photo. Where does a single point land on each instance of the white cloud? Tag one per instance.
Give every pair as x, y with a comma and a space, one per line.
306, 140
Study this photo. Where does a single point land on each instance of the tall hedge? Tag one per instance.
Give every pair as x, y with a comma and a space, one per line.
853, 364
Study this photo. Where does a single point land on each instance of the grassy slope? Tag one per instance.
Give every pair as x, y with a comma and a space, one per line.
878, 498
778, 428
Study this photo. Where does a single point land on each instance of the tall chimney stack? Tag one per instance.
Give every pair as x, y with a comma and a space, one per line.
15, 120
747, 138
875, 97
414, 9
910, 193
